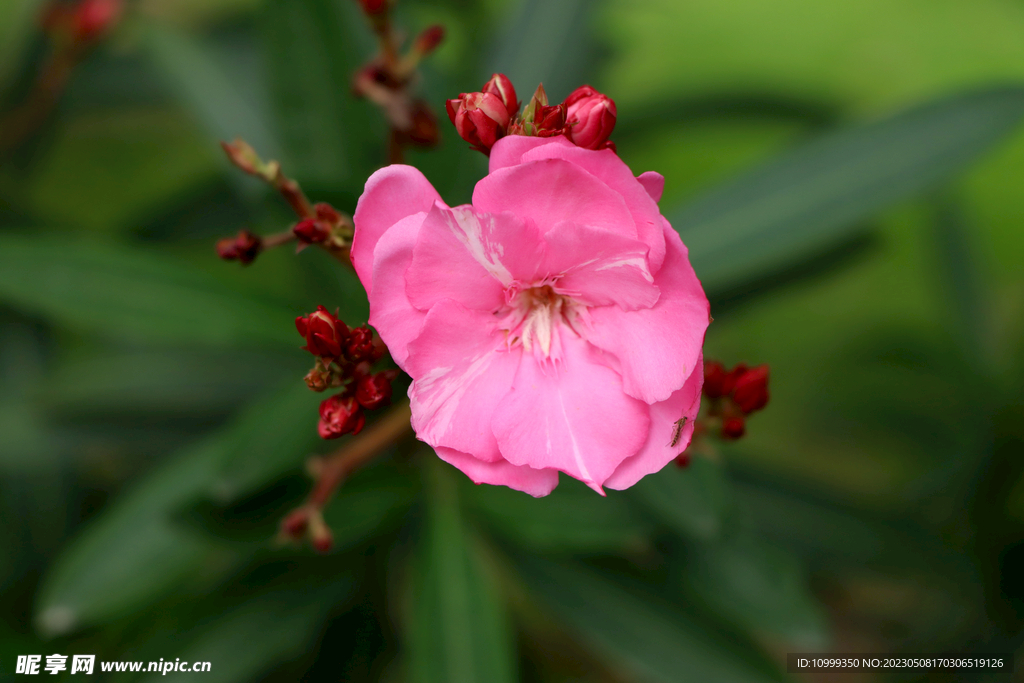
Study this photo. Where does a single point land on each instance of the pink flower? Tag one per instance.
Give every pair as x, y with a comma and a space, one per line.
554, 325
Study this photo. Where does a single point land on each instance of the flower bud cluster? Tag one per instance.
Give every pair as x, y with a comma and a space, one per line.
388, 79
320, 224
244, 247
327, 227
586, 117
344, 357
735, 394
84, 21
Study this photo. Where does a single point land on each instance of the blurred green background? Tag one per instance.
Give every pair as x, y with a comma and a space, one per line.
848, 176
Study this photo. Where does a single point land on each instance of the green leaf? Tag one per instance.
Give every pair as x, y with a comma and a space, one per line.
644, 636
248, 640
127, 293
458, 632
372, 502
17, 18
758, 586
803, 202
145, 382
132, 555
571, 519
207, 89
135, 553
693, 501
272, 438
311, 58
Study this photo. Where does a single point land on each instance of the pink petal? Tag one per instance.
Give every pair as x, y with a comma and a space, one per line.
391, 312
391, 194
501, 473
607, 167
509, 150
461, 370
551, 191
471, 257
571, 416
657, 452
600, 268
654, 183
657, 347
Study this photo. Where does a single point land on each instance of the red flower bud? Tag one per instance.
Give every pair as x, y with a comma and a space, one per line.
683, 460
423, 132
311, 231
733, 428
374, 7
328, 214
549, 121
244, 247
360, 345
751, 390
501, 87
374, 392
95, 17
325, 334
590, 117
323, 542
714, 379
295, 524
428, 40
340, 415
479, 118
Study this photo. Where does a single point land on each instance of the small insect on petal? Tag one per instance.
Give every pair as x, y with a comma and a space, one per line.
677, 432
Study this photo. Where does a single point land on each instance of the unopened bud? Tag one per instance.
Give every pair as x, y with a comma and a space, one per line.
319, 533
242, 155
318, 379
93, 18
590, 117
374, 392
295, 524
501, 87
312, 231
423, 131
360, 345
719, 382
244, 247
733, 428
328, 214
751, 390
480, 119
340, 415
374, 8
325, 334
683, 460
428, 40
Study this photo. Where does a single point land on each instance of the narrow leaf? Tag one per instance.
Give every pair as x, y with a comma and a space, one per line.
757, 586
135, 553
693, 501
643, 636
572, 519
202, 83
126, 293
311, 58
459, 632
770, 218
246, 641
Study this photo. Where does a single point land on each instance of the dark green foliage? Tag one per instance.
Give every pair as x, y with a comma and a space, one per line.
154, 425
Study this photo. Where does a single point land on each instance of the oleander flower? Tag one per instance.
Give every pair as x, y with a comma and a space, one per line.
554, 325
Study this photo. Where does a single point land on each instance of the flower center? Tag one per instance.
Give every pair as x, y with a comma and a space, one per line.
534, 315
